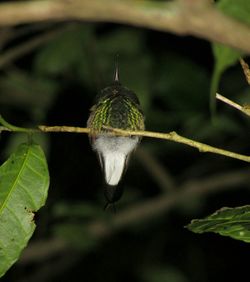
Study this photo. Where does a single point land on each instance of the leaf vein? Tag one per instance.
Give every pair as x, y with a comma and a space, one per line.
18, 220
15, 182
34, 171
27, 192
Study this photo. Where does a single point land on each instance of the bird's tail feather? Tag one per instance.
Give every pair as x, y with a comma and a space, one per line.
114, 164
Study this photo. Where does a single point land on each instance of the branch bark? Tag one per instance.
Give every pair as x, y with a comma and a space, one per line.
198, 18
244, 109
171, 136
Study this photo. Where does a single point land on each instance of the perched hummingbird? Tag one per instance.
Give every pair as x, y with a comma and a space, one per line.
117, 107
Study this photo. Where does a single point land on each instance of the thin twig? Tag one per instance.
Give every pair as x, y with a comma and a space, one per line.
3, 128
10, 127
229, 102
171, 136
244, 109
246, 70
63, 128
181, 17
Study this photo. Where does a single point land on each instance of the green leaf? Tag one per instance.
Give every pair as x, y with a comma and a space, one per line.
232, 222
226, 56
24, 182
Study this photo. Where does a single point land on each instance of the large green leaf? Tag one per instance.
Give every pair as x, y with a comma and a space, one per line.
232, 222
224, 55
24, 182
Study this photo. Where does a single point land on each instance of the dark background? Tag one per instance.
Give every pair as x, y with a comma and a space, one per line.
56, 83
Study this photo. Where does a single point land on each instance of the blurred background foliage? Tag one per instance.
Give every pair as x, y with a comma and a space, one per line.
56, 83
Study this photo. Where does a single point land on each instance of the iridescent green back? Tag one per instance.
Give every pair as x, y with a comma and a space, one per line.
117, 107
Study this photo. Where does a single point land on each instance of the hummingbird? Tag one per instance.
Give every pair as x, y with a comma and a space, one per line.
117, 107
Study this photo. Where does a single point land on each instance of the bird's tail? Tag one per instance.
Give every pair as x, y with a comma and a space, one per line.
112, 195
114, 164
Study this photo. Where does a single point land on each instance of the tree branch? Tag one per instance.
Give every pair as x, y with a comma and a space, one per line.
198, 18
171, 136
244, 109
229, 102
246, 70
